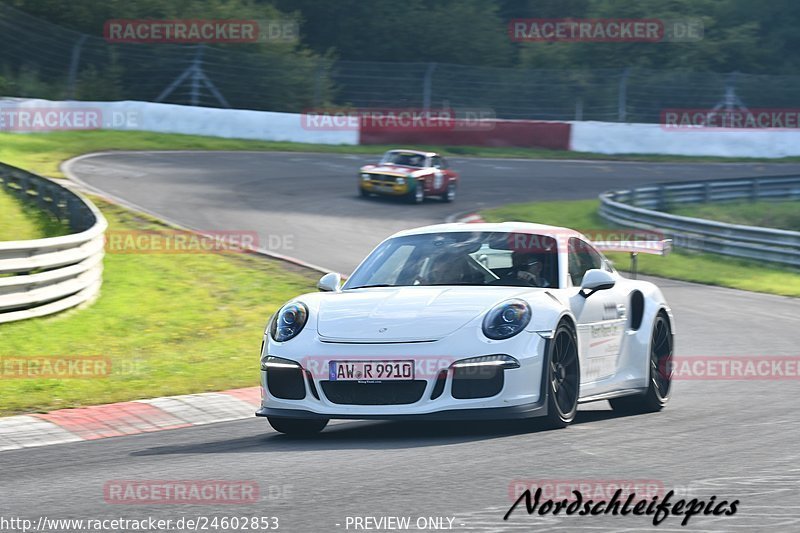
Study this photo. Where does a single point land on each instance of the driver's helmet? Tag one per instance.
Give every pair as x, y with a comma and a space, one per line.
525, 261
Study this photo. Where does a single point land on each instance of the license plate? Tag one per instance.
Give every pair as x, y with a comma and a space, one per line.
371, 370
384, 188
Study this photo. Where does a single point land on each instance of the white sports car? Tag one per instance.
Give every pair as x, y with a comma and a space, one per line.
470, 321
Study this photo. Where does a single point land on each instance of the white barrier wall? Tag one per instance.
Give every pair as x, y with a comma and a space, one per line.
169, 118
618, 138
598, 137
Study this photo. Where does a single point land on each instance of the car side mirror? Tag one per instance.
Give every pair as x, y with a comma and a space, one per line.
596, 280
329, 282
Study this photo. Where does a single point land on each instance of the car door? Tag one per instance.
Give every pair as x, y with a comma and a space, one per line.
439, 176
601, 318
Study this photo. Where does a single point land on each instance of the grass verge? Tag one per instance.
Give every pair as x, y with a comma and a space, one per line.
170, 324
781, 215
43, 152
19, 223
683, 265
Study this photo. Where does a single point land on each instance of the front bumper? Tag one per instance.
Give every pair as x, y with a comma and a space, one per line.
520, 393
530, 410
391, 188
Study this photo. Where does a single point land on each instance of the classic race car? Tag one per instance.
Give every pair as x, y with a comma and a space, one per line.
410, 174
470, 321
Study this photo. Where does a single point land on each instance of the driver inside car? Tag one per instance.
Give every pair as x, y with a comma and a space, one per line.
447, 269
527, 270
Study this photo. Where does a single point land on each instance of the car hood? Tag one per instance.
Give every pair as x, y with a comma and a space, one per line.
391, 169
404, 314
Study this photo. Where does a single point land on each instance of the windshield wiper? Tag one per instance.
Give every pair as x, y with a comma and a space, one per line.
371, 286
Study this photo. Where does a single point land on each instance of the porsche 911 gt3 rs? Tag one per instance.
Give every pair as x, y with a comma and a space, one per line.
470, 321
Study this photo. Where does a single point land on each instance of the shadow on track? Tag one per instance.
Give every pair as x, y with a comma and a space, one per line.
380, 435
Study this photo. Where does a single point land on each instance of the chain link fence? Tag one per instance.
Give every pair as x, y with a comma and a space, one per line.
42, 60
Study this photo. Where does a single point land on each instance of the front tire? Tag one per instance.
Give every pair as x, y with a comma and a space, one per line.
417, 196
562, 381
297, 426
660, 383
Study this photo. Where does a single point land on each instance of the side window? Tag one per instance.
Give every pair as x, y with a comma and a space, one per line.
436, 162
442, 162
582, 257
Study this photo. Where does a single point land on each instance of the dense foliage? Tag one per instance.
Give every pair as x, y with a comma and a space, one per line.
754, 37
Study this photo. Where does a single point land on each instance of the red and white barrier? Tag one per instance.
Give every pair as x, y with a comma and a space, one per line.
595, 137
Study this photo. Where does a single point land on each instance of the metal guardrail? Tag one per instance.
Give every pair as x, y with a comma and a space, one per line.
643, 208
44, 276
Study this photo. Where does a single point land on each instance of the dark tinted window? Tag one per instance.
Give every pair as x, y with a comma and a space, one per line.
582, 257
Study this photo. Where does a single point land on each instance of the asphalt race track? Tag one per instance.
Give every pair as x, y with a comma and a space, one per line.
729, 439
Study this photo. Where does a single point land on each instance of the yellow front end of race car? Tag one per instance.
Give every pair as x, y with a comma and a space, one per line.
385, 183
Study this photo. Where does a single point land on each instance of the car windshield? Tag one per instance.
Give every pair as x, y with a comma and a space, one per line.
408, 159
460, 258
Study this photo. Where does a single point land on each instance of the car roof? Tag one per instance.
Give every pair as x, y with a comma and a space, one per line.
418, 152
500, 227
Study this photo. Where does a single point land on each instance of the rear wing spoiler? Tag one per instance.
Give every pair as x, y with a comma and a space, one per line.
662, 248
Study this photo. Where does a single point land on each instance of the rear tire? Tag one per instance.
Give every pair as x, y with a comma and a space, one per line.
362, 193
659, 386
562, 381
297, 426
450, 194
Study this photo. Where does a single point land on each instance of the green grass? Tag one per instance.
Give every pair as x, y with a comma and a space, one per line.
19, 221
43, 152
704, 268
171, 324
781, 215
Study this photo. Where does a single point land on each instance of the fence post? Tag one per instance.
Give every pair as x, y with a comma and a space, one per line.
622, 96
196, 75
319, 76
73, 67
427, 87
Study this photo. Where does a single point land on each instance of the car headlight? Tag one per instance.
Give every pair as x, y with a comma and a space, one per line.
288, 322
506, 319
496, 360
365, 177
399, 180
